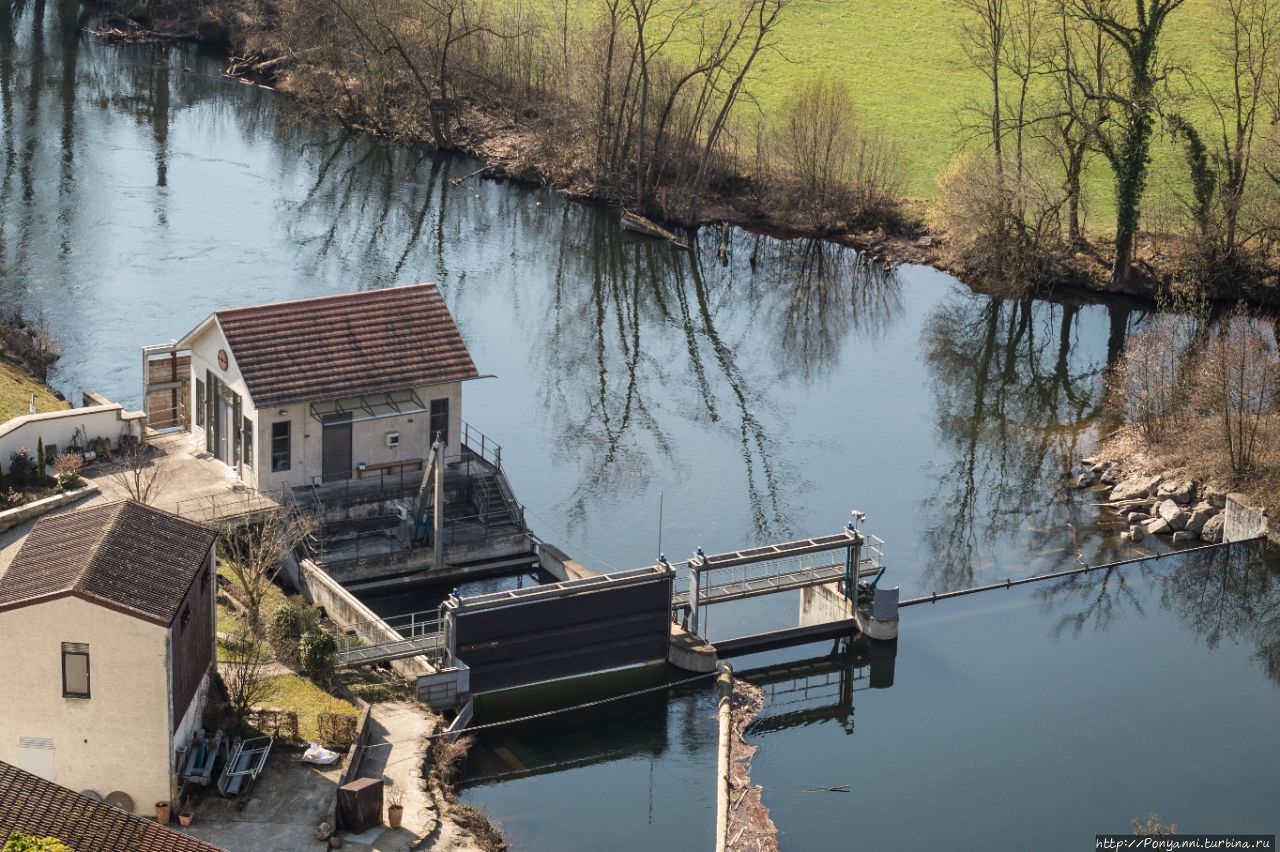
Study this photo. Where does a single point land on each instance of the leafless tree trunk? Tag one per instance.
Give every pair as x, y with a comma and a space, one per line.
254, 552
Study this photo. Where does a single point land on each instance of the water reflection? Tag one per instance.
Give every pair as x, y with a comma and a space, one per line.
1226, 593
1013, 400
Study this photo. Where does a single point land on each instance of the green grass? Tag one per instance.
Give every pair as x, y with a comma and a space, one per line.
292, 692
904, 64
16, 388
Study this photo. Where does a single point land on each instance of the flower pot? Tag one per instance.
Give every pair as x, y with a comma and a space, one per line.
395, 813
185, 818
162, 813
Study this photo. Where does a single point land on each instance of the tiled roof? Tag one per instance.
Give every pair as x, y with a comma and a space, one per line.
31, 805
332, 347
125, 555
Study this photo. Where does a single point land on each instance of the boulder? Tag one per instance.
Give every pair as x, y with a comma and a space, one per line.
1184, 535
1138, 517
1200, 516
1135, 487
1111, 475
1178, 490
1090, 461
1136, 534
1212, 531
1217, 499
1155, 526
1100, 468
1173, 514
1086, 479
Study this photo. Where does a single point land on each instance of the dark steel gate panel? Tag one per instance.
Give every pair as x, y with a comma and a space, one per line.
574, 633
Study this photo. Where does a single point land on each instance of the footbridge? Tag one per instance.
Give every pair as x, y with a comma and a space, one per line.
597, 622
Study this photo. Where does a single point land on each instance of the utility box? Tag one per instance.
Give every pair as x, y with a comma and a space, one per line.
359, 805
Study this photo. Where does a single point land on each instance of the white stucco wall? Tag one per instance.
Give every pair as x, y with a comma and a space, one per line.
368, 437
59, 428
118, 739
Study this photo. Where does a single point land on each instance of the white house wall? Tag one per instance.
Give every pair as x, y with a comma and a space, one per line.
118, 738
368, 437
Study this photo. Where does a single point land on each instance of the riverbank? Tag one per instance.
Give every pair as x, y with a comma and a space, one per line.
526, 137
27, 352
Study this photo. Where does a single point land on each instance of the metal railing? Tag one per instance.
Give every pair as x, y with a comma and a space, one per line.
409, 626
476, 441
391, 541
226, 504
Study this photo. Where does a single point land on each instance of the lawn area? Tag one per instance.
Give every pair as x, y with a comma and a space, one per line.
905, 66
16, 388
296, 693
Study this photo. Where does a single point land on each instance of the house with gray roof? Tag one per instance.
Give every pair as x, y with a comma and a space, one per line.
107, 624
31, 805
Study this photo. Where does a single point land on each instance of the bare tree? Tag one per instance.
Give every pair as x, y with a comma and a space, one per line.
254, 553
1249, 44
1125, 136
1147, 382
1240, 384
142, 471
245, 671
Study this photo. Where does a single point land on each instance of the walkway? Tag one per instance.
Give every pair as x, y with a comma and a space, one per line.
396, 753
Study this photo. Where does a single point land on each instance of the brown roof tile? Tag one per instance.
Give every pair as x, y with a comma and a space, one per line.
32, 805
125, 555
331, 347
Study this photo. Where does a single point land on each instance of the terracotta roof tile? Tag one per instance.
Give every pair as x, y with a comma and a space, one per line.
32, 805
338, 346
126, 555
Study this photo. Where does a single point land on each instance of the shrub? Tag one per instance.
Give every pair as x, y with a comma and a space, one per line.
67, 466
318, 652
18, 842
287, 626
24, 472
337, 730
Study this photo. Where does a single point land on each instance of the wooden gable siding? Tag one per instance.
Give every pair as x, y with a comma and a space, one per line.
193, 645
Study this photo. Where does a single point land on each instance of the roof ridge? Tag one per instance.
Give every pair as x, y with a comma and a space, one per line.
329, 297
114, 510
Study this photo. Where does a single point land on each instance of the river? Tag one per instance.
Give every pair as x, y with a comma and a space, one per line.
760, 398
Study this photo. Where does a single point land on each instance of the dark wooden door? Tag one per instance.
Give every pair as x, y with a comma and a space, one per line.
336, 463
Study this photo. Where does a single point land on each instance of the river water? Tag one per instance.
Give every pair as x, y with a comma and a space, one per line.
762, 398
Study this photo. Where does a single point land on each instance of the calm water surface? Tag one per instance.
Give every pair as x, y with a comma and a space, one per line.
764, 399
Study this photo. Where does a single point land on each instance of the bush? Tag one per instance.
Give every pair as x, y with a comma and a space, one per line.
337, 730
318, 652
28, 843
67, 466
24, 472
287, 626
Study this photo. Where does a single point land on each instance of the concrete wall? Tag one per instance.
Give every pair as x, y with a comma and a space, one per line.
558, 564
59, 428
822, 604
118, 738
344, 610
368, 437
457, 554
1242, 521
14, 517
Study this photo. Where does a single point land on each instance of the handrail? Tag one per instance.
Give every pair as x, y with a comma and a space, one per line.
488, 450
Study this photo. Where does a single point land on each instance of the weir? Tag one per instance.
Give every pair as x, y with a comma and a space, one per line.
589, 622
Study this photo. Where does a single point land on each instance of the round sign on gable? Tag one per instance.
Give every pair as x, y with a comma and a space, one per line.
222, 359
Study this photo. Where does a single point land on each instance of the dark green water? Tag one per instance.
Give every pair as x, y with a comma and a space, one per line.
764, 399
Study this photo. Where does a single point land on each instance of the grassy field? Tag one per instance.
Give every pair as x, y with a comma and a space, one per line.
904, 64
16, 388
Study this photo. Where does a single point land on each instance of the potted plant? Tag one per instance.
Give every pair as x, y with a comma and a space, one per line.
395, 804
185, 818
162, 813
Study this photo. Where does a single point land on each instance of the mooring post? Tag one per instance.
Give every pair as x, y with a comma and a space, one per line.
724, 702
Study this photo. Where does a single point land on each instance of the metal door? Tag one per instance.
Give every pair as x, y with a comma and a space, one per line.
336, 463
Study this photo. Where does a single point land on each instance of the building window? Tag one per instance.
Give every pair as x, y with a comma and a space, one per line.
280, 446
75, 670
200, 391
440, 420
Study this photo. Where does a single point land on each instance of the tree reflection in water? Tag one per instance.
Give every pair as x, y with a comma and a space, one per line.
1226, 593
1013, 402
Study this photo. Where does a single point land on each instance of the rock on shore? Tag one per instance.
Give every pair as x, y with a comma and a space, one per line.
1156, 504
